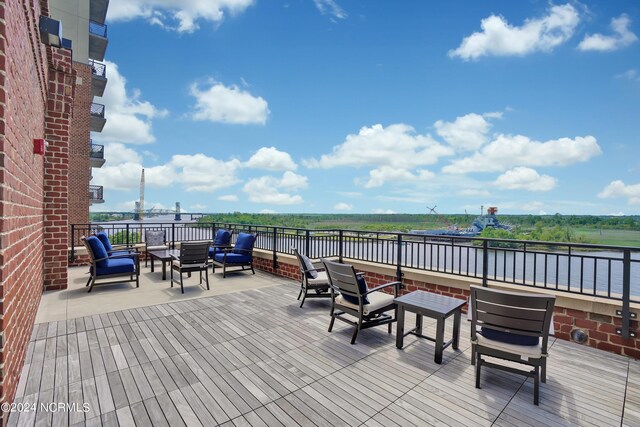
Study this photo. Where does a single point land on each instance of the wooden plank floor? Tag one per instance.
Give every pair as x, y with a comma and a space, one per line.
253, 358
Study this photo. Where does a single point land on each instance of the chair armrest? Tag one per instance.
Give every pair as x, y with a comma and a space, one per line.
361, 274
129, 255
317, 265
386, 285
125, 246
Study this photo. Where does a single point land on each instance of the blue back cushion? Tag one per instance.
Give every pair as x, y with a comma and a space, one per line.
104, 239
509, 338
98, 249
362, 286
311, 270
244, 244
223, 237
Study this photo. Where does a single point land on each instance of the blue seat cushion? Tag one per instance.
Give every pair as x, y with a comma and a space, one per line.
362, 286
509, 337
214, 250
117, 266
233, 258
244, 244
98, 250
104, 239
223, 238
311, 272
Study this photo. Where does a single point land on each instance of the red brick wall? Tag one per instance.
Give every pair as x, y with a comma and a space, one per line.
23, 84
79, 160
601, 329
56, 202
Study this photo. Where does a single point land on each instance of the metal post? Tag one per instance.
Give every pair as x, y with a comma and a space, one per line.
626, 294
485, 262
340, 236
399, 259
127, 236
173, 236
307, 243
275, 254
72, 257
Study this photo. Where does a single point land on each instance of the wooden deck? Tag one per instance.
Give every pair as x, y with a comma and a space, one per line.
253, 358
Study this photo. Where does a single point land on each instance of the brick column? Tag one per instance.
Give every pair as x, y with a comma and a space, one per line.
56, 168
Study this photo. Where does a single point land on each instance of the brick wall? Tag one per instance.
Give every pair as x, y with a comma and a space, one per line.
79, 160
23, 85
600, 328
56, 168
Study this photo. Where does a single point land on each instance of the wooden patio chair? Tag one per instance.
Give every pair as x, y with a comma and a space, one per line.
314, 278
194, 256
368, 306
104, 266
511, 326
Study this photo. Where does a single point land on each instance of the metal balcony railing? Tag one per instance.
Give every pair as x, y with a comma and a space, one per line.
97, 29
98, 68
95, 193
97, 110
97, 151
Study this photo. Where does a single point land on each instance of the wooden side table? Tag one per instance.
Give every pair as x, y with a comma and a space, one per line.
432, 305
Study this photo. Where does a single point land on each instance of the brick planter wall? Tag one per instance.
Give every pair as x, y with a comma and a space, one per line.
600, 328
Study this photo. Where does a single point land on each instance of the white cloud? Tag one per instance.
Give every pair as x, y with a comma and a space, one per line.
198, 207
228, 198
129, 119
116, 153
622, 37
522, 178
202, 173
275, 191
617, 214
126, 176
631, 74
396, 146
330, 7
343, 207
474, 192
618, 188
382, 211
219, 103
270, 158
508, 151
379, 176
267, 211
178, 15
466, 132
499, 38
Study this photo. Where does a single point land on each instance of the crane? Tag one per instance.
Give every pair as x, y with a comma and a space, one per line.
440, 217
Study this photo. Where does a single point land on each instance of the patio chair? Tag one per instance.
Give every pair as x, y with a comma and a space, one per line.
221, 242
511, 326
194, 256
314, 278
239, 257
104, 266
368, 306
154, 240
118, 249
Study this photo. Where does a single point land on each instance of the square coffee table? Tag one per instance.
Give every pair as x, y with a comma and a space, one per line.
164, 256
436, 306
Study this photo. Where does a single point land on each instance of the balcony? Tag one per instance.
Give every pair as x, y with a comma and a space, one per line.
95, 194
96, 155
98, 10
97, 117
97, 40
98, 77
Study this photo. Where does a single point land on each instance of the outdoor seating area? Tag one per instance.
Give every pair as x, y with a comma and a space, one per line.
245, 353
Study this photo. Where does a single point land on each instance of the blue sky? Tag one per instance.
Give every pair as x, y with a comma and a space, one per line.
345, 106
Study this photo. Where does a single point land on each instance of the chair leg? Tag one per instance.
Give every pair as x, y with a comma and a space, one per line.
478, 366
206, 276
88, 281
536, 385
473, 354
93, 281
181, 284
543, 377
333, 319
172, 276
355, 332
201, 277
138, 279
300, 293
304, 297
